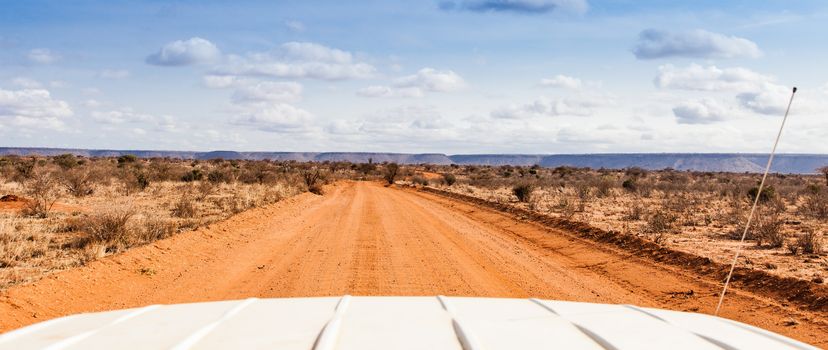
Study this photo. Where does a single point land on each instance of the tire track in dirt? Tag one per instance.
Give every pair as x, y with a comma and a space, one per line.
365, 239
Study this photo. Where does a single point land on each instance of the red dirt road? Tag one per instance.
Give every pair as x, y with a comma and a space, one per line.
364, 239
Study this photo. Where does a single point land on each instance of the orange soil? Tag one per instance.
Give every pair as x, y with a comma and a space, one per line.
365, 239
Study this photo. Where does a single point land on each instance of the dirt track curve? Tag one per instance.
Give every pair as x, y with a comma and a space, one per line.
365, 239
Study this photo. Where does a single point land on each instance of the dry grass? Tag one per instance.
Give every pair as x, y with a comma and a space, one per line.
701, 213
77, 210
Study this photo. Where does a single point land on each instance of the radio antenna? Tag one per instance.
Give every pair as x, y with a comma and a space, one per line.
755, 203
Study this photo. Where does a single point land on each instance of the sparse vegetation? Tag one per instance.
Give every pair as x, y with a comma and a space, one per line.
694, 211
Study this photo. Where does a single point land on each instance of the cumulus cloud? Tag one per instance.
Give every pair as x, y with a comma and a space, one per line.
654, 43
387, 91
274, 117
517, 6
33, 107
268, 91
414, 85
121, 116
754, 91
185, 52
772, 99
395, 125
430, 79
703, 111
562, 81
114, 74
42, 56
544, 107
298, 60
711, 78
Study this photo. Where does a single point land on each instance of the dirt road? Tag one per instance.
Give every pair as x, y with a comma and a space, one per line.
365, 239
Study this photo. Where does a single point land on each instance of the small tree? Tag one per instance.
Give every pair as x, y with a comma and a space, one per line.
449, 179
391, 172
43, 192
312, 178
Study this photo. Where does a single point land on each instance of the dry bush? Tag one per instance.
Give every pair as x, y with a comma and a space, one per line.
391, 172
449, 179
419, 180
768, 231
634, 212
43, 193
107, 227
567, 207
185, 207
660, 222
312, 178
77, 181
523, 192
153, 229
815, 205
809, 242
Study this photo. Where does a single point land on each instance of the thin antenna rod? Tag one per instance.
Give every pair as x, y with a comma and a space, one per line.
755, 203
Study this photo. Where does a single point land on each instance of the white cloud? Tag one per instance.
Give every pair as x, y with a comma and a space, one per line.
298, 60
654, 43
544, 107
703, 111
772, 99
430, 79
414, 85
26, 83
122, 116
268, 91
33, 108
711, 78
562, 81
114, 74
42, 56
221, 81
387, 91
273, 117
185, 52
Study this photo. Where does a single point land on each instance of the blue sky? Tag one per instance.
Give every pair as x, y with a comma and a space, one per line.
465, 76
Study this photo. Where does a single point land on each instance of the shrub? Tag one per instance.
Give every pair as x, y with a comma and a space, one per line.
66, 161
193, 175
77, 181
630, 184
768, 193
155, 229
43, 192
768, 231
449, 179
815, 205
391, 172
824, 171
108, 227
809, 242
634, 212
185, 207
312, 179
218, 176
660, 222
127, 159
419, 180
523, 192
